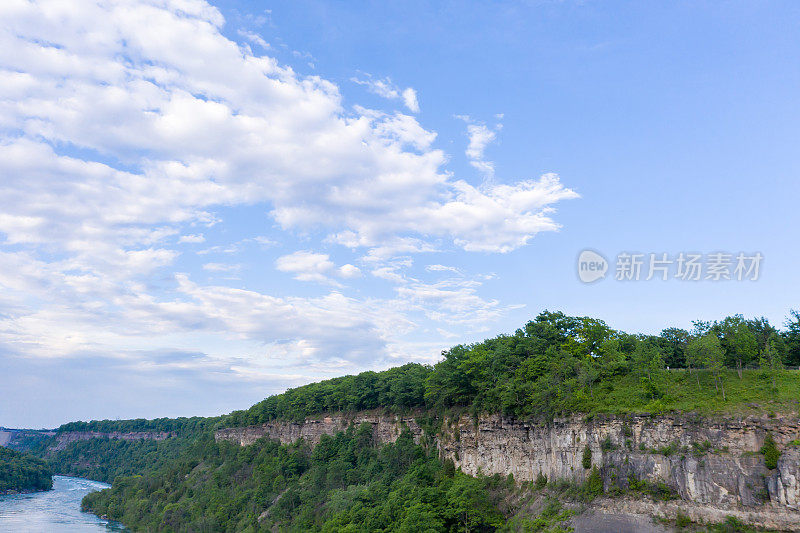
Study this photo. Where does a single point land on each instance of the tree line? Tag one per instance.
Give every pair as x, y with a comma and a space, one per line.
557, 364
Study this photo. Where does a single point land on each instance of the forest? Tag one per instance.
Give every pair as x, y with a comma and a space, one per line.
22, 472
347, 483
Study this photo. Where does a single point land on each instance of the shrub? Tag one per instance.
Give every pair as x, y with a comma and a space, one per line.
770, 452
587, 458
541, 481
682, 520
594, 483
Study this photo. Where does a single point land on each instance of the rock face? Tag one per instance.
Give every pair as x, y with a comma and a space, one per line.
63, 439
712, 464
386, 428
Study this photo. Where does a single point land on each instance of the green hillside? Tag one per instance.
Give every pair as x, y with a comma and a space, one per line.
20, 472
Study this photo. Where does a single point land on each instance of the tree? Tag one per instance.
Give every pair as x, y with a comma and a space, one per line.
715, 360
770, 360
743, 346
674, 342
647, 362
588, 373
792, 338
706, 352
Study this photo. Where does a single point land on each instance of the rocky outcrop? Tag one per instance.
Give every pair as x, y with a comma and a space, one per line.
62, 440
23, 439
386, 428
712, 464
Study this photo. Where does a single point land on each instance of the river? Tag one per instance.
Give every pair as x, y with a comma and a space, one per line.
53, 511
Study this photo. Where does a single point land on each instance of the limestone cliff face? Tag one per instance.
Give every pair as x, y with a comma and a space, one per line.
63, 439
713, 464
386, 428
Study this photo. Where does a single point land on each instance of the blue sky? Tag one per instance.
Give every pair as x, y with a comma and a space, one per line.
204, 204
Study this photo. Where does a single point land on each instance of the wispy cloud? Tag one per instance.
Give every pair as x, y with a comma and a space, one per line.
386, 88
192, 239
221, 267
480, 136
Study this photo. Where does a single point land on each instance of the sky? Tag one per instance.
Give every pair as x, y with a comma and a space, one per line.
202, 204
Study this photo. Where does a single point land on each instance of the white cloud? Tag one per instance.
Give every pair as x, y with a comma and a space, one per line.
389, 273
349, 271
480, 136
193, 239
311, 266
453, 301
386, 88
254, 38
410, 100
126, 126
221, 267
442, 268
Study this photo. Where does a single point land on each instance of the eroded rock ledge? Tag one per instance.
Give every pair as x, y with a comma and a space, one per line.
63, 439
712, 463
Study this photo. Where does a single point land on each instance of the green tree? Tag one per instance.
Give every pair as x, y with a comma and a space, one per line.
674, 342
770, 360
770, 452
706, 353
792, 338
586, 460
647, 362
744, 346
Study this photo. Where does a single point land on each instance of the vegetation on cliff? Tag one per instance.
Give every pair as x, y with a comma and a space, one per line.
105, 459
177, 426
554, 365
346, 484
21, 472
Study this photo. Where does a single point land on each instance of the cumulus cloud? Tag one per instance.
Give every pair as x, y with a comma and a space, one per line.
349, 271
125, 126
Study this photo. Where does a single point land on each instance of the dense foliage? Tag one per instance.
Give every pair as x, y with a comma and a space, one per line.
560, 364
346, 484
177, 426
397, 388
21, 472
104, 459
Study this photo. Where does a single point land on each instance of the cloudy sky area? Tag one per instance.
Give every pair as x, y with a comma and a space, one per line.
206, 204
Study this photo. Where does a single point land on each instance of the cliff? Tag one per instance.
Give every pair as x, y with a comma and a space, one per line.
63, 439
712, 464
